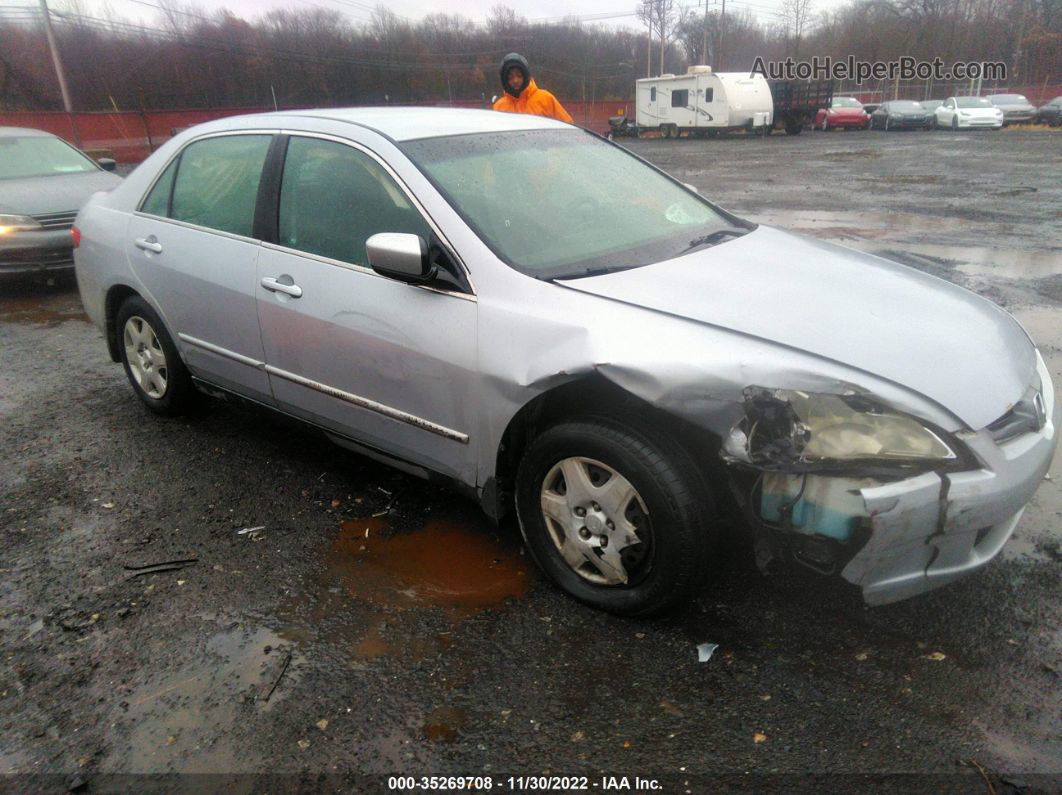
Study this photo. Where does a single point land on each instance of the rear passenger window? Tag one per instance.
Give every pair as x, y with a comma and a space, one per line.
680, 99
217, 182
333, 198
709, 94
158, 201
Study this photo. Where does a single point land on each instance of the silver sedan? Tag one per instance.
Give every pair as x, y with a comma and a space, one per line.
43, 182
556, 327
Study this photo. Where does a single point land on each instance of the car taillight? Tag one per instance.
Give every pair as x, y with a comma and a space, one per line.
75, 235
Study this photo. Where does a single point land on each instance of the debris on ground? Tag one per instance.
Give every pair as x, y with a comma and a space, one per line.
154, 568
322, 724
936, 656
283, 670
705, 651
253, 533
759, 737
988, 783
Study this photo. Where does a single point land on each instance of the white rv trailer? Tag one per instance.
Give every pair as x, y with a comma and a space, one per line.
702, 100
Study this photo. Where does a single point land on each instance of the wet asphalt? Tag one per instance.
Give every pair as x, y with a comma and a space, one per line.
326, 622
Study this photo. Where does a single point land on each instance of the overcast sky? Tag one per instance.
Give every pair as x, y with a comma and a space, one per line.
603, 12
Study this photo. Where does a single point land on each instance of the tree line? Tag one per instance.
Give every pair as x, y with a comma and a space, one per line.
190, 58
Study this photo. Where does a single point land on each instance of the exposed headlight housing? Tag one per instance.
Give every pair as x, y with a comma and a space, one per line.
785, 427
17, 223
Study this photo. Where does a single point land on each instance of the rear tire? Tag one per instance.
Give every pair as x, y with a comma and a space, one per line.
639, 492
150, 359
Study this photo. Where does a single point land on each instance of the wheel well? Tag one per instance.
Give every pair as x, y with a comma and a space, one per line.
587, 397
115, 298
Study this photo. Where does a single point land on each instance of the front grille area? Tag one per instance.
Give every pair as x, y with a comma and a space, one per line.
56, 220
1023, 418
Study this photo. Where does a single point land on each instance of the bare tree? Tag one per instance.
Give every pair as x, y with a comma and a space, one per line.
664, 18
795, 15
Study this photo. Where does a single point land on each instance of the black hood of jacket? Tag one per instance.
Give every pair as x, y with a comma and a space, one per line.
511, 60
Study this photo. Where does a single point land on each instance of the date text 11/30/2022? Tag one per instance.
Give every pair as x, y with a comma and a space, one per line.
522, 783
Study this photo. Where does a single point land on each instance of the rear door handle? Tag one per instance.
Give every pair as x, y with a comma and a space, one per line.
277, 286
149, 244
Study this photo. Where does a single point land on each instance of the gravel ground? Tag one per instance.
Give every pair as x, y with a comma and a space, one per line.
312, 636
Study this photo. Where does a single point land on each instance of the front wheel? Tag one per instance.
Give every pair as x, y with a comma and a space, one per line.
150, 359
615, 517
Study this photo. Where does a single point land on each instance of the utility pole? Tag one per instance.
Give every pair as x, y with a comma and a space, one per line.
719, 49
649, 46
704, 34
55, 57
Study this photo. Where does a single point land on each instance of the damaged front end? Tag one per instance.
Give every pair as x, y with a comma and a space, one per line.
804, 466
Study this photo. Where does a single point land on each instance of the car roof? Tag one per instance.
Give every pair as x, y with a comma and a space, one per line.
23, 132
407, 124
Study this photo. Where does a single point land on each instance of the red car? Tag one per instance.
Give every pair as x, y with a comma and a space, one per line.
843, 112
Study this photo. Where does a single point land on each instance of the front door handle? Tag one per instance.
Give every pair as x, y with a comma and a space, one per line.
150, 243
277, 286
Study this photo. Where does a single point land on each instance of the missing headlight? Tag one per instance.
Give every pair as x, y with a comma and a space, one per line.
784, 428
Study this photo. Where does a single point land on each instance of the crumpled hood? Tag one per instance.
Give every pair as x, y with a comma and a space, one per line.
942, 341
53, 194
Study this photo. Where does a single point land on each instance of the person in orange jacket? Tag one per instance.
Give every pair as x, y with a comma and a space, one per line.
521, 95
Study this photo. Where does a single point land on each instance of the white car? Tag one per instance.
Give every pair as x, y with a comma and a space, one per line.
967, 112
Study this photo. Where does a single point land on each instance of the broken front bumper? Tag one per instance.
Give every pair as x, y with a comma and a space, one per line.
932, 529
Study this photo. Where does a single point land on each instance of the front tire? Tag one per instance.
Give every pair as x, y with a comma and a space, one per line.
150, 359
615, 517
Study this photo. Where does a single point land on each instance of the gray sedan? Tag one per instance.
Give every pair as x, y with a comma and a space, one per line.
43, 182
559, 329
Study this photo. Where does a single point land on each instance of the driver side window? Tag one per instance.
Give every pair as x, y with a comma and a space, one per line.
334, 197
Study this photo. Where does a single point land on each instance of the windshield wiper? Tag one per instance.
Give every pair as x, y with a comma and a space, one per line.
598, 271
711, 239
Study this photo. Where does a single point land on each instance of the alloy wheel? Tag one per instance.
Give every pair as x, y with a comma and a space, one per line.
147, 360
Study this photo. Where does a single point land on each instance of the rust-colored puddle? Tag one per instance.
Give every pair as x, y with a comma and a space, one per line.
444, 564
443, 724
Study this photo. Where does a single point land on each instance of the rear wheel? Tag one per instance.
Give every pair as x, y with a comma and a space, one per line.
614, 516
150, 359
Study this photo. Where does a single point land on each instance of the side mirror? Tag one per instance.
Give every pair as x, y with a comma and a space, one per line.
400, 256
107, 164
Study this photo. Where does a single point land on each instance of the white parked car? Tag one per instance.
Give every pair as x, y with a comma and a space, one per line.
555, 326
965, 112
